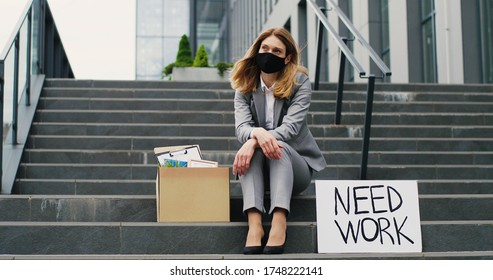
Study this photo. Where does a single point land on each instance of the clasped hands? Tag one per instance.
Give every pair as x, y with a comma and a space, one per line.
259, 138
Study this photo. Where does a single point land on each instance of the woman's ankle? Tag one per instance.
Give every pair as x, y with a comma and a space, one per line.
255, 228
254, 237
277, 234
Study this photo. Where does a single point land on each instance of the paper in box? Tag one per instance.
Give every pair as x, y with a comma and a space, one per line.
177, 154
192, 194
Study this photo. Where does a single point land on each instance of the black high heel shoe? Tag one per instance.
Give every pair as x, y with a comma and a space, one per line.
255, 250
272, 250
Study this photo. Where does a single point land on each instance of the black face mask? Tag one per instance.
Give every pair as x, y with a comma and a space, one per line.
269, 63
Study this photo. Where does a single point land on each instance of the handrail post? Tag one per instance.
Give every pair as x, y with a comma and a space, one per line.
340, 85
15, 95
366, 136
2, 71
28, 58
320, 39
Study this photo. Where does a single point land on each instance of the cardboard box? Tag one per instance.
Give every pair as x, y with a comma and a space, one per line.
193, 194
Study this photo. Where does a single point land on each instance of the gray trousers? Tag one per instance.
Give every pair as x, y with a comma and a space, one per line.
285, 176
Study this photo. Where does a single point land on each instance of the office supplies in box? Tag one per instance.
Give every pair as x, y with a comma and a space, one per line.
192, 194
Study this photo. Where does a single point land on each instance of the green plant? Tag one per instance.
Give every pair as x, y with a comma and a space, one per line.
168, 69
183, 57
201, 59
222, 67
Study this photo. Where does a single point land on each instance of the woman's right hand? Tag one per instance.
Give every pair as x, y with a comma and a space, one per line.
243, 157
269, 144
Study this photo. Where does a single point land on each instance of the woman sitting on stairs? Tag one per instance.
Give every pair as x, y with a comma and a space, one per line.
272, 98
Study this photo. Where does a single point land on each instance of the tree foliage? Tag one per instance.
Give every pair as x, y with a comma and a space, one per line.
201, 59
184, 55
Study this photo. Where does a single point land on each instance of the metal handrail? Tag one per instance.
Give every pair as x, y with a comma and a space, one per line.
346, 53
323, 19
49, 65
15, 31
374, 56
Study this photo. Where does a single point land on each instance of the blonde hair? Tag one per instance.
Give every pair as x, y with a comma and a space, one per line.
245, 74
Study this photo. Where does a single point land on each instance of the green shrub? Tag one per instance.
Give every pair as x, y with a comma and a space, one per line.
222, 67
184, 55
201, 59
168, 69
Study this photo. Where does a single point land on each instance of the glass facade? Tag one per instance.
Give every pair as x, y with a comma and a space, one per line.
486, 7
9, 100
385, 40
211, 20
227, 27
161, 23
428, 41
247, 20
36, 48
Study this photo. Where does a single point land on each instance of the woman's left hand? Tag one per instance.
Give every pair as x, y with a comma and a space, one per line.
243, 157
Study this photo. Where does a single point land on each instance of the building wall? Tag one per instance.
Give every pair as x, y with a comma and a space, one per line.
160, 25
471, 44
399, 45
457, 36
250, 18
449, 42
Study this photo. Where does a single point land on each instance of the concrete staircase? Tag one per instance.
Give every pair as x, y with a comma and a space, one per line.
86, 189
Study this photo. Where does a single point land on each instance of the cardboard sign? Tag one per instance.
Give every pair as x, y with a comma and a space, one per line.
368, 216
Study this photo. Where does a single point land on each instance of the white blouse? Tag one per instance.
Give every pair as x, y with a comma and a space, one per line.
269, 105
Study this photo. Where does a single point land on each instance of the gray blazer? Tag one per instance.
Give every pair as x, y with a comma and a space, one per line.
289, 120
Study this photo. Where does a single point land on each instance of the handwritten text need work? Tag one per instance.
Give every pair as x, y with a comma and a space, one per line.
369, 214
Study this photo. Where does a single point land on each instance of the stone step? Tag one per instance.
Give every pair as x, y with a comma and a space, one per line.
227, 117
129, 116
185, 93
332, 172
128, 142
225, 105
125, 84
455, 186
148, 187
350, 131
211, 143
308, 257
60, 238
84, 187
143, 129
437, 134
162, 84
135, 104
139, 93
227, 157
142, 208
398, 118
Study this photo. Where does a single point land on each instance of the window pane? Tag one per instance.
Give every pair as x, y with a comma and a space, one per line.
8, 98
149, 57
487, 39
427, 7
429, 52
176, 17
170, 49
212, 28
428, 41
149, 16
385, 24
35, 29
